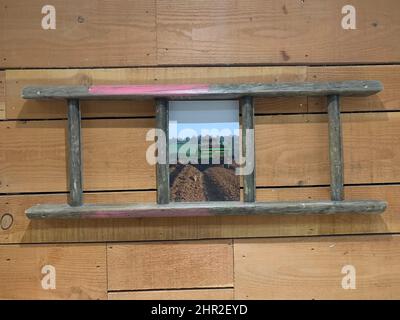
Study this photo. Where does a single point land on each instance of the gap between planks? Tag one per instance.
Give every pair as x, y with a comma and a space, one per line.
184, 240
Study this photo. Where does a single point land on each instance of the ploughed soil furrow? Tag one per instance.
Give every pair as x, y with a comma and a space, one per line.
221, 184
203, 183
188, 184
174, 171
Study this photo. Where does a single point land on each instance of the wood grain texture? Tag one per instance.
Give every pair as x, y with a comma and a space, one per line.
335, 148
190, 294
311, 268
126, 33
74, 151
2, 95
162, 169
208, 208
161, 265
114, 155
281, 32
248, 148
80, 271
203, 91
291, 150
24, 230
91, 33
18, 108
388, 99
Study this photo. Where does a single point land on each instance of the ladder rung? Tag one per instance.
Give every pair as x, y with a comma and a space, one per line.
205, 91
186, 209
335, 148
75, 153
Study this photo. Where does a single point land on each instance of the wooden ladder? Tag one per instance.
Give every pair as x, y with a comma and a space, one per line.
164, 93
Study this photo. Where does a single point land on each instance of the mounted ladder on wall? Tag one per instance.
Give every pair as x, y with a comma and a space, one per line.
162, 94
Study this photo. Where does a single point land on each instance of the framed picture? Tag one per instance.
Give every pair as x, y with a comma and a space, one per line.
204, 150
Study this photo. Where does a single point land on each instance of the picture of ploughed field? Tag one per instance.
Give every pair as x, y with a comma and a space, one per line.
204, 182
210, 175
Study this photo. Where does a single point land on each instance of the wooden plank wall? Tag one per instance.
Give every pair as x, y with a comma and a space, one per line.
159, 42
156, 32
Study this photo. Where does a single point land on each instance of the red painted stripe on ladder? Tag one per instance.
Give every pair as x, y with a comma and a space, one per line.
161, 90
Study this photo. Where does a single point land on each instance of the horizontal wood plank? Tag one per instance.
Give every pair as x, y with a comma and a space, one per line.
87, 34
291, 150
114, 155
167, 265
138, 33
279, 32
80, 271
190, 294
18, 108
310, 268
23, 230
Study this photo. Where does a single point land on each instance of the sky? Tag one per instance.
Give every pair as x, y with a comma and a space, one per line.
198, 115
